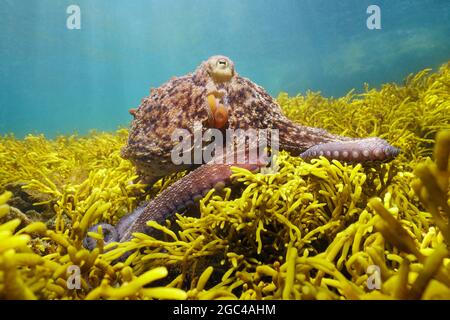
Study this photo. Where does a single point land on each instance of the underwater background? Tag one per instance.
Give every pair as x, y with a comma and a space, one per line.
318, 229
55, 80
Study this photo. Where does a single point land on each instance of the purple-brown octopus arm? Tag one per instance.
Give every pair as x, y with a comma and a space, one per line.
257, 109
354, 151
176, 198
310, 143
180, 195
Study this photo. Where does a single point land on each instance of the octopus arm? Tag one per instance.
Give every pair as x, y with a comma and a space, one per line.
181, 194
356, 150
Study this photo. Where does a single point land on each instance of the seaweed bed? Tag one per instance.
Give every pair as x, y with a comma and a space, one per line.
319, 230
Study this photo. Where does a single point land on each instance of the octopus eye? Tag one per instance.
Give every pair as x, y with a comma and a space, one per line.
220, 68
222, 62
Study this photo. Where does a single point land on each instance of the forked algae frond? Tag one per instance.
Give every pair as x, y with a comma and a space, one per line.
311, 230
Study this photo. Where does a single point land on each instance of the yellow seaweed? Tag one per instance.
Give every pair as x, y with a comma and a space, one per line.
308, 231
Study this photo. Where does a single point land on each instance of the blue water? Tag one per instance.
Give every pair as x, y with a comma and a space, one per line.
54, 80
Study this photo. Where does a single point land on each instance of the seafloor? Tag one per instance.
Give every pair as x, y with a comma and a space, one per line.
319, 230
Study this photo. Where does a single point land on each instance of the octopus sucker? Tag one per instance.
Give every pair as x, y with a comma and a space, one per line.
216, 96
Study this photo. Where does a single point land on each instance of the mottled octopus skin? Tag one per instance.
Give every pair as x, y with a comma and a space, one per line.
184, 100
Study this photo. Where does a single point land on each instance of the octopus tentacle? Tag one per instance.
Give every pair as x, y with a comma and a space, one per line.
311, 143
356, 150
178, 196
297, 138
110, 234
181, 194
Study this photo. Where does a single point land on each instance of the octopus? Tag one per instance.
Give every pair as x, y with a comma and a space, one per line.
217, 97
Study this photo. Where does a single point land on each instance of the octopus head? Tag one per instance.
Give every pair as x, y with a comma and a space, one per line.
220, 68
